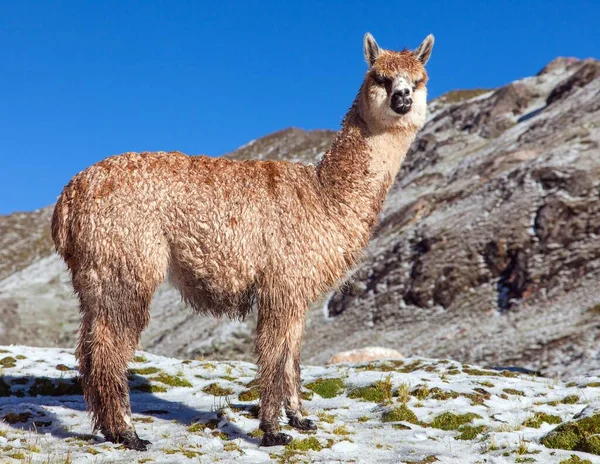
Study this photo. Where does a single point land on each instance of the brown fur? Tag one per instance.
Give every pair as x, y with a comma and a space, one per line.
230, 234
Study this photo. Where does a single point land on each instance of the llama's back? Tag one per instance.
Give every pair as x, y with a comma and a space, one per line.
113, 207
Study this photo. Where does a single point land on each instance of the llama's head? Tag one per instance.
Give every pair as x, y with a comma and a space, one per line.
394, 90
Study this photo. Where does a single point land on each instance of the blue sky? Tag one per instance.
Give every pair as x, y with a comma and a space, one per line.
84, 80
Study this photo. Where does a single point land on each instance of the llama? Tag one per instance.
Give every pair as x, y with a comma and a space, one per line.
231, 234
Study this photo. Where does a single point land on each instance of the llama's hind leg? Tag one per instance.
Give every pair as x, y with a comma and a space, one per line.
110, 333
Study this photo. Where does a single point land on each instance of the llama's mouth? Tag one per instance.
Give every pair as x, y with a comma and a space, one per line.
401, 109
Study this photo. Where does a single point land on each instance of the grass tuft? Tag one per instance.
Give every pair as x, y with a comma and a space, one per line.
379, 392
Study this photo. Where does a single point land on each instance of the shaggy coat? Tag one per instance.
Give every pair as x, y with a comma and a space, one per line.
230, 234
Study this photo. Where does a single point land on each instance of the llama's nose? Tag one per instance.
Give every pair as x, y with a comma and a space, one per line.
401, 101
402, 92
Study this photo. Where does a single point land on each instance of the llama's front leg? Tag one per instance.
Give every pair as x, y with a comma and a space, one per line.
278, 339
292, 392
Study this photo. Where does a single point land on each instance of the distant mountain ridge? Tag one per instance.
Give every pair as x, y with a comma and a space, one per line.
486, 251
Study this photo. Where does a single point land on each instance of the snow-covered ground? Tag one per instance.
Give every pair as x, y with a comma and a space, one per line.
410, 412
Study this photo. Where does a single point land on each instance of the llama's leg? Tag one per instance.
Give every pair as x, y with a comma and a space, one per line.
292, 398
278, 339
113, 320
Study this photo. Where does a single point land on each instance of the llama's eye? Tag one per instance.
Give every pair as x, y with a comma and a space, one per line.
417, 83
379, 79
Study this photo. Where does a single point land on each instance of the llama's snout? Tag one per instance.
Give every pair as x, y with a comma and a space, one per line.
401, 101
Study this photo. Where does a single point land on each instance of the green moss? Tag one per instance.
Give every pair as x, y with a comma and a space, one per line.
92, 451
307, 395
144, 460
145, 370
342, 430
579, 435
413, 366
427, 460
212, 424
256, 433
17, 456
327, 388
401, 427
251, 394
469, 432
14, 418
46, 387
140, 359
593, 384
196, 427
363, 419
144, 420
574, 459
571, 399
512, 391
231, 446
486, 383
398, 414
540, 417
8, 362
451, 421
306, 444
324, 417
472, 371
420, 392
219, 434
20, 357
62, 368
216, 390
379, 392
388, 366
171, 380
521, 460
149, 388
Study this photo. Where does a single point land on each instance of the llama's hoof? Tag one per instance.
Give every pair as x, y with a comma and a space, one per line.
133, 442
275, 439
302, 424
130, 440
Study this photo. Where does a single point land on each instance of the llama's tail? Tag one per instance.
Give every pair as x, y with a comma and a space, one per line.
61, 223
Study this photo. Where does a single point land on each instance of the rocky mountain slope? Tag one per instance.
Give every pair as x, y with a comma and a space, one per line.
487, 250
415, 410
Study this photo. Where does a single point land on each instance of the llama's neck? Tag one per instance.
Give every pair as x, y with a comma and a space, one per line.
359, 168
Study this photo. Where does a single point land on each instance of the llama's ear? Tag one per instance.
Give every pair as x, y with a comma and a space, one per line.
424, 51
371, 49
